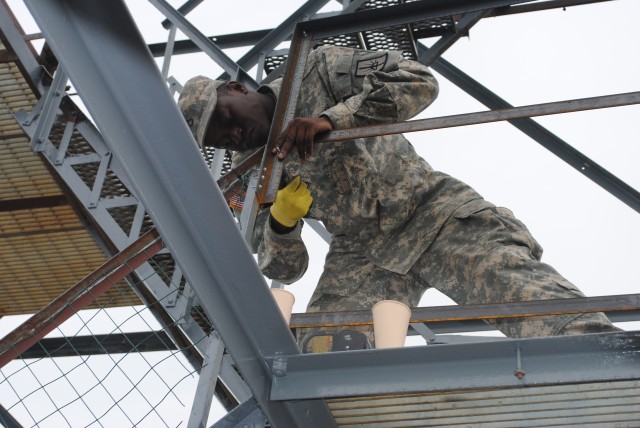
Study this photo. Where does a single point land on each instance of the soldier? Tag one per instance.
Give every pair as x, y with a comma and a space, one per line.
398, 226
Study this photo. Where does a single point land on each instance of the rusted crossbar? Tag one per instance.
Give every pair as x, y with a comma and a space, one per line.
79, 296
230, 182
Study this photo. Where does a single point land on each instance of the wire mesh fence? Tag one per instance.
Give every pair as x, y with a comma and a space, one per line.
68, 366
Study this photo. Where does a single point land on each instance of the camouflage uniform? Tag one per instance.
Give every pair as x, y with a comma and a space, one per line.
398, 226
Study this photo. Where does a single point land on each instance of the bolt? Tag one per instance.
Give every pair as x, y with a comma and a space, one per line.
519, 374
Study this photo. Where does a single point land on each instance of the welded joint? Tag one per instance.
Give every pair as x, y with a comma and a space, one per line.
279, 365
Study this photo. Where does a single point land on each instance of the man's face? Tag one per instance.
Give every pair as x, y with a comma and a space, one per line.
240, 121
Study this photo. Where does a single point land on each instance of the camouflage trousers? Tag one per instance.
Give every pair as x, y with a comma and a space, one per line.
482, 254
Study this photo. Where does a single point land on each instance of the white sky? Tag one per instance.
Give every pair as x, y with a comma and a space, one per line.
588, 235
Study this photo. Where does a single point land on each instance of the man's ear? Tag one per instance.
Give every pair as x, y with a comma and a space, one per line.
237, 87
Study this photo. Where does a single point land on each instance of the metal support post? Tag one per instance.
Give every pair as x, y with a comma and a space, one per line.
206, 383
52, 99
217, 162
250, 208
166, 63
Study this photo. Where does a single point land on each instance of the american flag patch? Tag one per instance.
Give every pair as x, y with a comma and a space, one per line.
237, 201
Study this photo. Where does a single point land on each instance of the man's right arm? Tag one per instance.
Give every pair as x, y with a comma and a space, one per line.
281, 256
281, 252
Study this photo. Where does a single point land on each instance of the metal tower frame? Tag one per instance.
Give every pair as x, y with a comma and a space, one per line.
139, 123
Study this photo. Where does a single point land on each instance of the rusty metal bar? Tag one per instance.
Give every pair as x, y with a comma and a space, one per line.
545, 109
230, 182
79, 296
271, 168
232, 179
626, 302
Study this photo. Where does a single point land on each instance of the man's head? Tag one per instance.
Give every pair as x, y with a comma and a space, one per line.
226, 114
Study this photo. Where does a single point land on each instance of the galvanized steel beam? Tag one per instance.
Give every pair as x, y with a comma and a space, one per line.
487, 365
206, 383
115, 343
109, 64
12, 35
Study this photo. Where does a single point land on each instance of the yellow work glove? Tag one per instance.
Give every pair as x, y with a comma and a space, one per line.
292, 203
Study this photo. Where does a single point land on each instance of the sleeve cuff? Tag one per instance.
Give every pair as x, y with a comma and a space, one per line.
340, 116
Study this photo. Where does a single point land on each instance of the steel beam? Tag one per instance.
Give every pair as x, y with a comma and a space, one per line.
245, 415
7, 420
12, 35
206, 383
495, 364
108, 62
115, 343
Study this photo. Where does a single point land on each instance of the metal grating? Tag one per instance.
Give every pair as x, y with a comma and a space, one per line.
45, 246
208, 156
399, 37
587, 404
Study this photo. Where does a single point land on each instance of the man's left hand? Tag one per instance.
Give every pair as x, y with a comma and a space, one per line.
301, 132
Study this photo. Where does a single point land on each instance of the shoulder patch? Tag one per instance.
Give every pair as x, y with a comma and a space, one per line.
366, 66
